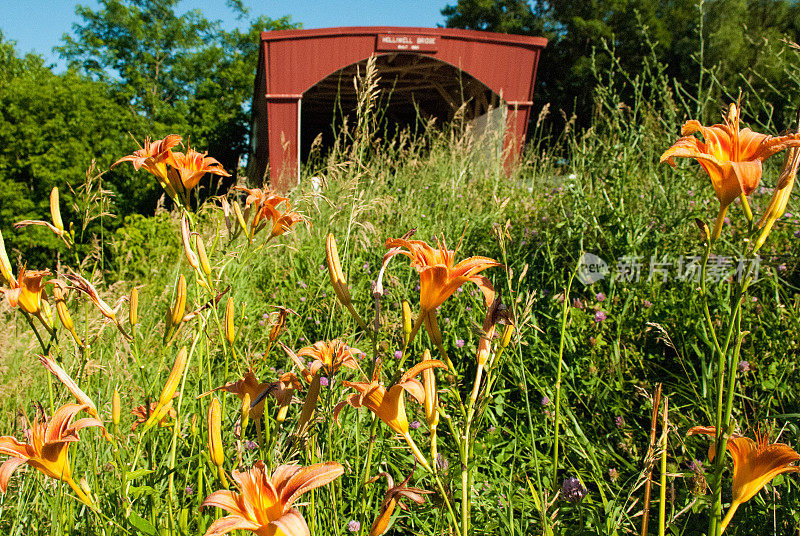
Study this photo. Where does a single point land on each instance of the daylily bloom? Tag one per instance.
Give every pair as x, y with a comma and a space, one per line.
153, 158
392, 499
28, 290
327, 359
439, 277
266, 204
282, 389
389, 405
46, 447
143, 414
328, 356
187, 169
248, 385
264, 504
731, 156
755, 463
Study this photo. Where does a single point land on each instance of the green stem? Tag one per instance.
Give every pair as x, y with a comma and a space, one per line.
465, 471
662, 502
564, 311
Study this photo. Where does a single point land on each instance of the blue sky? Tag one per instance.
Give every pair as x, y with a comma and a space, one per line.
37, 25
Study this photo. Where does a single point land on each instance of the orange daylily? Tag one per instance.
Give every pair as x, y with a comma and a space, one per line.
153, 158
26, 293
268, 205
731, 156
143, 414
327, 356
248, 385
439, 277
187, 169
327, 359
263, 505
389, 405
46, 447
392, 499
755, 463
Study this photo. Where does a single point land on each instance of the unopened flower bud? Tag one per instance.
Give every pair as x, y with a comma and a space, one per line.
179, 307
407, 327
230, 329
134, 306
187, 246
245, 411
237, 211
174, 378
116, 408
55, 210
5, 265
505, 340
704, 231
431, 397
87, 490
335, 271
47, 314
202, 255
215, 433
63, 314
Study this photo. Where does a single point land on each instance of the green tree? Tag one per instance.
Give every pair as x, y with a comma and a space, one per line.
182, 72
51, 129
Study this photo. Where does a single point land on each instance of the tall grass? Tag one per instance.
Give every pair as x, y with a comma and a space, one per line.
600, 191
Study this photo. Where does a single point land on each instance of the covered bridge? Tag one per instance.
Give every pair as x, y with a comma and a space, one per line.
305, 75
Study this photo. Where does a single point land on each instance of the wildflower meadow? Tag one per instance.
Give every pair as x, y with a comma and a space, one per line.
419, 340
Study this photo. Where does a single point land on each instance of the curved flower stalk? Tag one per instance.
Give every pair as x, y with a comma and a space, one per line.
755, 463
57, 226
392, 499
389, 405
55, 369
46, 448
264, 504
731, 156
439, 277
268, 206
339, 281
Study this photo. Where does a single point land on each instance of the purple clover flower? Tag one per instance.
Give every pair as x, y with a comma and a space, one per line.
354, 526
600, 316
572, 490
324, 382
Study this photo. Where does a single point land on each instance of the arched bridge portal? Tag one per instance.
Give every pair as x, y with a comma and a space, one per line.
302, 72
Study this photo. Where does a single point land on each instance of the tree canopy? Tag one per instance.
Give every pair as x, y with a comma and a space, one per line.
736, 44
